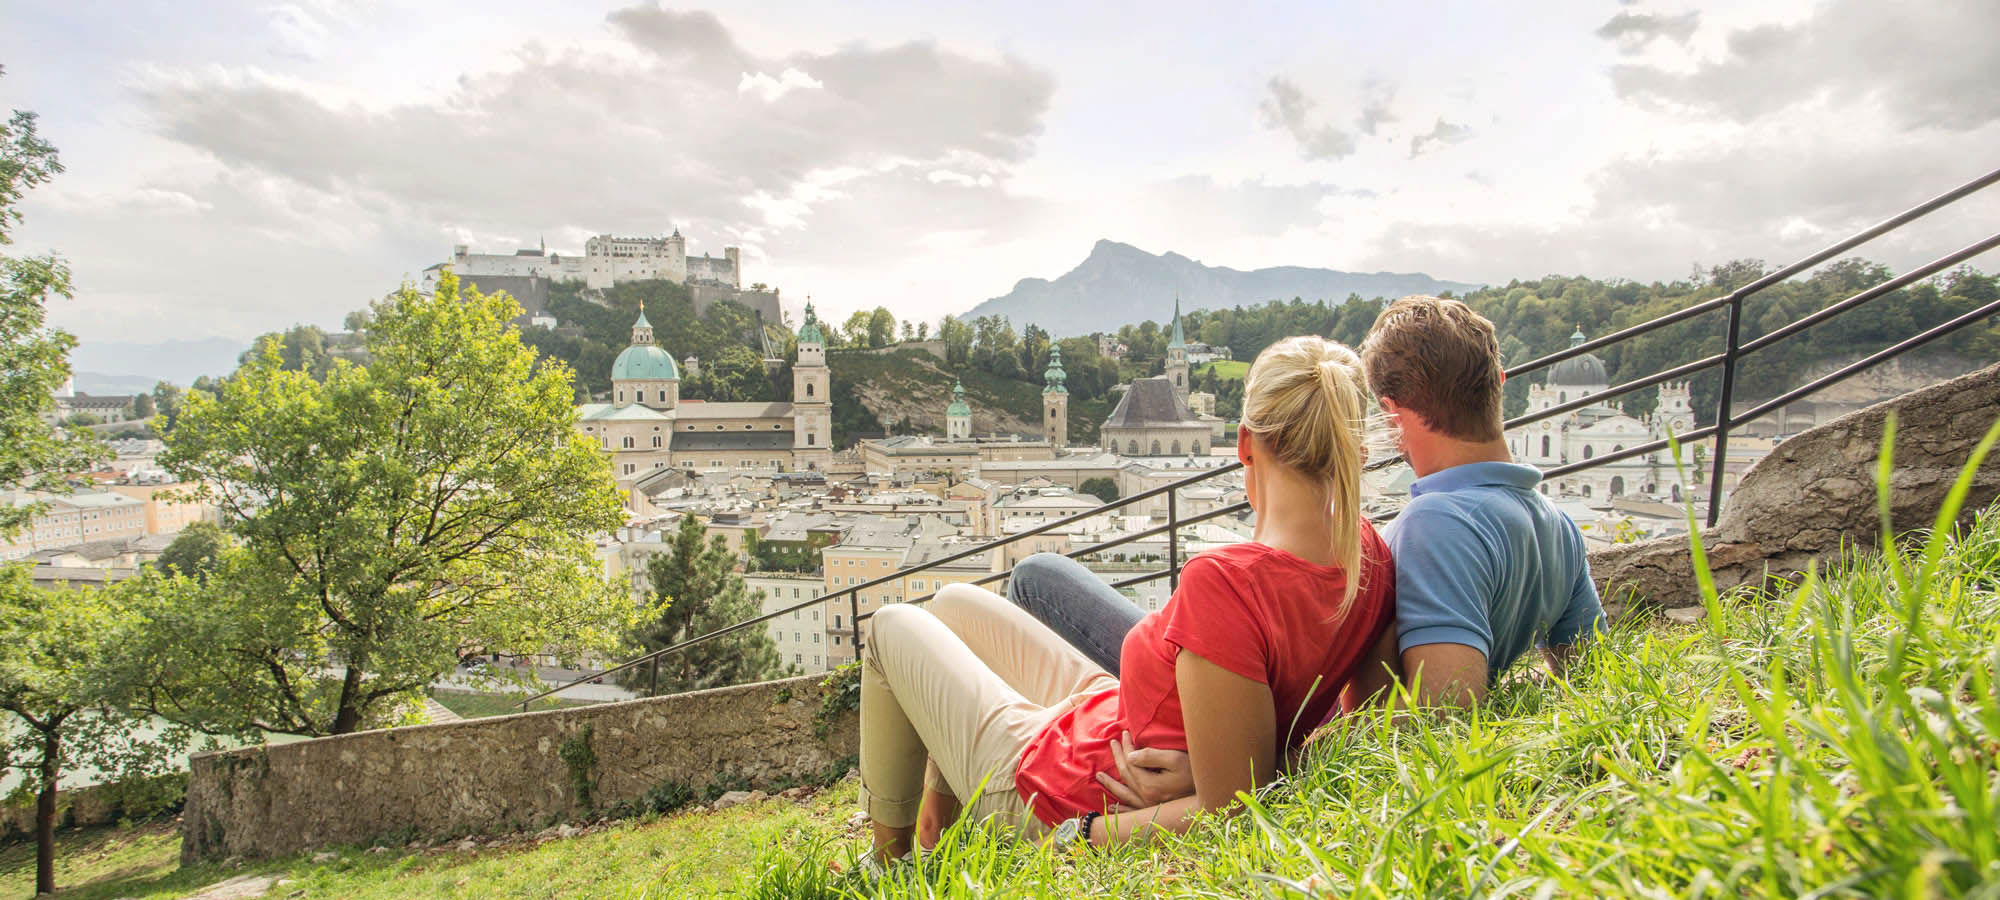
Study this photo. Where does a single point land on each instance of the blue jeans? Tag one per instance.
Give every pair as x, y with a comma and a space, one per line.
1062, 594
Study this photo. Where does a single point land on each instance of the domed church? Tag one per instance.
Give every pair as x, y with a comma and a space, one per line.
646, 426
1597, 429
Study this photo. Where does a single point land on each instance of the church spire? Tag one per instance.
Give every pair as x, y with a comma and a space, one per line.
1179, 339
642, 330
1054, 381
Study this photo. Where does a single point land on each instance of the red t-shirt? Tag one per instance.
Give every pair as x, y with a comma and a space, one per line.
1254, 610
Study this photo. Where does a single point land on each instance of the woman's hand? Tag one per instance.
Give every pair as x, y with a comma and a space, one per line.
1147, 776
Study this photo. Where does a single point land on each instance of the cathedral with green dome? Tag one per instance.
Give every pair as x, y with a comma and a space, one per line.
646, 427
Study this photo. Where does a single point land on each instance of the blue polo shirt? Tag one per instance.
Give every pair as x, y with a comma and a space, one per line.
1485, 561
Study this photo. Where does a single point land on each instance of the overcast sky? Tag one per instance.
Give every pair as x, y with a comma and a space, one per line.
236, 168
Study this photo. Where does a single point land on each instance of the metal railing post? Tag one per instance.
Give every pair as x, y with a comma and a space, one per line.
1173, 543
1723, 406
653, 680
854, 620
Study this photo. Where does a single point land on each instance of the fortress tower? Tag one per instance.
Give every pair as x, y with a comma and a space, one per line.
1055, 401
1177, 361
812, 401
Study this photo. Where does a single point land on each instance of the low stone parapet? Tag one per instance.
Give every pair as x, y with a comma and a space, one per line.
507, 773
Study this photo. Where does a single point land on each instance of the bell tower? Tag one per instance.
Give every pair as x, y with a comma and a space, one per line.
1055, 401
812, 403
1177, 361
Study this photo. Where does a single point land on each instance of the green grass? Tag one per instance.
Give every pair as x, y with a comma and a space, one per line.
478, 706
1225, 369
688, 854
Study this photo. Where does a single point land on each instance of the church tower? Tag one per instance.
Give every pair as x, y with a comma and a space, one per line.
1177, 361
958, 416
1055, 401
812, 402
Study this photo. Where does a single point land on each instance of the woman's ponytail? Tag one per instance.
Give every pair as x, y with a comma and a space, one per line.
1307, 399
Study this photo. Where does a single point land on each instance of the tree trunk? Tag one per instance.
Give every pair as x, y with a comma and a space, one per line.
347, 718
45, 811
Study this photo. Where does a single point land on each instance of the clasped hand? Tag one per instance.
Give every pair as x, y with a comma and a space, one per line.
1147, 776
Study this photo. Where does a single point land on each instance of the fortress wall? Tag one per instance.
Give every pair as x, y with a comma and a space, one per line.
506, 773
1814, 496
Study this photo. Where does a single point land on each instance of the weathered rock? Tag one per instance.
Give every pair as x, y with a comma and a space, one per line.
239, 888
468, 845
1686, 615
325, 856
732, 798
1813, 497
485, 774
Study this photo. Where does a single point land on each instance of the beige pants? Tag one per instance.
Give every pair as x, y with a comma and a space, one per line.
966, 680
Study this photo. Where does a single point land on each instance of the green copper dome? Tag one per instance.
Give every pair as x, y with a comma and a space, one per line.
809, 333
645, 362
958, 405
1053, 378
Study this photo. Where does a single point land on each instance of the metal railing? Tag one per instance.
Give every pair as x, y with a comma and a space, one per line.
1726, 419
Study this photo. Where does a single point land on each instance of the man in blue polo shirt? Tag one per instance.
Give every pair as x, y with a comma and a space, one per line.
1486, 567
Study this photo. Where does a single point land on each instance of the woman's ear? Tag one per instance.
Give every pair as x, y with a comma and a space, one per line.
1243, 444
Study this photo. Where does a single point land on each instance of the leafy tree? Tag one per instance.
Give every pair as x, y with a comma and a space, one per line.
142, 406
881, 327
301, 348
62, 684
923, 331
82, 420
957, 337
34, 358
909, 332
1102, 488
697, 582
167, 405
393, 517
734, 374
195, 551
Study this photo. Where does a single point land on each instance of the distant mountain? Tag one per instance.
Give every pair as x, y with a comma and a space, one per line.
1120, 284
112, 385
129, 364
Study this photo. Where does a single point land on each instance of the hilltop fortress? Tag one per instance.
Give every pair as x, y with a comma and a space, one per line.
607, 260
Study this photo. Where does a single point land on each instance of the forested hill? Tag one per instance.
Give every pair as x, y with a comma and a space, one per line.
1537, 317
1119, 284
724, 339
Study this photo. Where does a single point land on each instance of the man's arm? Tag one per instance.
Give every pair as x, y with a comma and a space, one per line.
1445, 674
1578, 622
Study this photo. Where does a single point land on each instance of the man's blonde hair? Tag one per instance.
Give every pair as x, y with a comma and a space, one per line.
1440, 360
1306, 399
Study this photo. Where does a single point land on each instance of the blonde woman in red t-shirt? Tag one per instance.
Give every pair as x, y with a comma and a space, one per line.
1254, 649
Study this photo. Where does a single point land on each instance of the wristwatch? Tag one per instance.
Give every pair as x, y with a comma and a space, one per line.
1075, 832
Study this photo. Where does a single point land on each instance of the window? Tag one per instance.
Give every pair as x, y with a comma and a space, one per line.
1562, 397
917, 585
1132, 448
798, 659
809, 388
1177, 448
815, 637
621, 396
1545, 447
1589, 451
656, 442
627, 443
836, 623
811, 439
1156, 448
629, 468
663, 396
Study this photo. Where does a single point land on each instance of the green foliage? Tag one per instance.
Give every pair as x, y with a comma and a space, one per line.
843, 695
697, 582
721, 338
194, 551
62, 692
392, 517
1102, 488
301, 348
579, 760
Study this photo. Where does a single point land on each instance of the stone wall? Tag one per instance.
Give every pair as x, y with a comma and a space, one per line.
1814, 496
503, 773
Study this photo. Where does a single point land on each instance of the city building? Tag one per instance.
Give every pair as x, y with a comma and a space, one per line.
1599, 429
801, 635
67, 520
646, 426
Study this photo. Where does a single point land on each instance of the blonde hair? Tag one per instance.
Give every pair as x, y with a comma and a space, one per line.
1306, 399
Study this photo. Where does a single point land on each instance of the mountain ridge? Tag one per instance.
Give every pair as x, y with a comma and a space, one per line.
1118, 284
